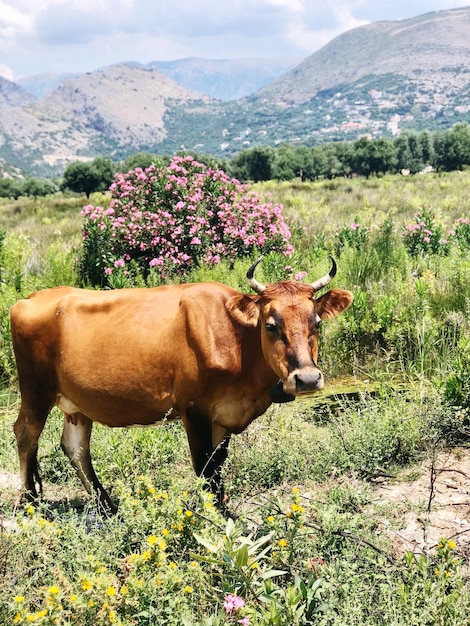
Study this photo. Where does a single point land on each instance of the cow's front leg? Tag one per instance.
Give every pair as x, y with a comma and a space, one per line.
75, 443
209, 450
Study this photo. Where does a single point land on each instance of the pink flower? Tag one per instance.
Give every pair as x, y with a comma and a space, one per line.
300, 275
233, 603
119, 263
244, 621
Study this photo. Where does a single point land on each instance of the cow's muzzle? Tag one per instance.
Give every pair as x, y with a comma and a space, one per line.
304, 381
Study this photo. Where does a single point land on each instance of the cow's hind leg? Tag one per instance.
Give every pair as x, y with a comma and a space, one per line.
75, 443
209, 450
28, 428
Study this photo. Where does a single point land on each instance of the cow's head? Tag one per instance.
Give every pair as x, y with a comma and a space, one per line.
289, 317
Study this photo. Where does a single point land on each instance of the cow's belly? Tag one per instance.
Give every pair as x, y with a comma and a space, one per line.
119, 412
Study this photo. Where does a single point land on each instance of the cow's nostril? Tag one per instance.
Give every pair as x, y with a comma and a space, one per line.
307, 382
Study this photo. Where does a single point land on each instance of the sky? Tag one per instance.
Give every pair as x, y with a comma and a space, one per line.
73, 36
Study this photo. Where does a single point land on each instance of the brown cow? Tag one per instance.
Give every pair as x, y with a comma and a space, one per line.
201, 352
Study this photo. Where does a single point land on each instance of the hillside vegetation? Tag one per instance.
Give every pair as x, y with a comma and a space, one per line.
312, 542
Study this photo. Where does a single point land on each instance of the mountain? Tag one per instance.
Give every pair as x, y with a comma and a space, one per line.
375, 80
14, 95
431, 53
41, 84
113, 111
221, 79
224, 79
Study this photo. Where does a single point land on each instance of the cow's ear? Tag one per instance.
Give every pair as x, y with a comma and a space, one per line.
333, 303
243, 309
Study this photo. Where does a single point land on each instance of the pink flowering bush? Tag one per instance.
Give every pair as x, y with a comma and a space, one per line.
354, 235
424, 235
461, 233
174, 217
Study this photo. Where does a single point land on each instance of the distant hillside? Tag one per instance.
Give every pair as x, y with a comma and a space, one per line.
221, 79
431, 53
224, 79
41, 84
376, 80
14, 95
113, 111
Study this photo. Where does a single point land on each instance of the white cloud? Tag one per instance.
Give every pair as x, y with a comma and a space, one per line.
13, 20
6, 71
80, 35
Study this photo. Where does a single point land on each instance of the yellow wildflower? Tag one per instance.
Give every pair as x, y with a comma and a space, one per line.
110, 591
73, 597
124, 590
173, 565
165, 532
451, 544
86, 585
270, 519
112, 616
152, 539
53, 590
146, 555
188, 589
188, 513
282, 543
19, 599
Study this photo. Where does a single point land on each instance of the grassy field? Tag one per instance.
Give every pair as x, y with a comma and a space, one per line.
312, 540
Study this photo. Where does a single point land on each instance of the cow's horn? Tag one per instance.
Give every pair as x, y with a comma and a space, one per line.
255, 284
324, 280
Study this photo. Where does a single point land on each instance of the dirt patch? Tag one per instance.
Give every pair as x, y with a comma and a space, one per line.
432, 506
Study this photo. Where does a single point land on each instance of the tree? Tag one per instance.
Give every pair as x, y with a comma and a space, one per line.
36, 187
139, 159
452, 148
373, 157
89, 177
11, 188
286, 164
254, 165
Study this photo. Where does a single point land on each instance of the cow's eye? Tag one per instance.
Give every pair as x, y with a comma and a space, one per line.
271, 328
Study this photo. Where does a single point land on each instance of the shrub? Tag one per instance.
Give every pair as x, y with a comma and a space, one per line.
461, 233
353, 235
424, 235
174, 217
